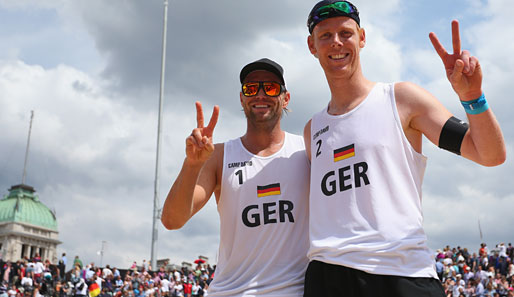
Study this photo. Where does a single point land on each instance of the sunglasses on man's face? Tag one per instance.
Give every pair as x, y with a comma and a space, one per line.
270, 88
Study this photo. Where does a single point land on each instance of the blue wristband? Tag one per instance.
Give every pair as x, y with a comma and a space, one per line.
476, 106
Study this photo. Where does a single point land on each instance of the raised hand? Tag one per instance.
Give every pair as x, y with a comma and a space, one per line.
199, 146
462, 69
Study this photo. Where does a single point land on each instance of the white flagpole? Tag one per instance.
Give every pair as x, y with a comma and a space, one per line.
156, 211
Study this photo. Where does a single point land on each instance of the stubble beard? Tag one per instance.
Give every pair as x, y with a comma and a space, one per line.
267, 121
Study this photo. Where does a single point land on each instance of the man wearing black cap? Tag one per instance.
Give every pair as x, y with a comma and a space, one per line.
367, 164
261, 184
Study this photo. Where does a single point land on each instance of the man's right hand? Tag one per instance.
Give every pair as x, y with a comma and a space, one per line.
199, 146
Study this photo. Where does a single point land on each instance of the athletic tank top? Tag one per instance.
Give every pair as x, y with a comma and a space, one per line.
263, 211
365, 194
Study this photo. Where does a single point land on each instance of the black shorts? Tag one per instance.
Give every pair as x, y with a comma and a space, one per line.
328, 280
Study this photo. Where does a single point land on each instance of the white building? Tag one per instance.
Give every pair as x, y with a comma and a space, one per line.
27, 226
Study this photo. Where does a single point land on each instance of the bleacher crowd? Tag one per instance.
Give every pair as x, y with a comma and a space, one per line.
37, 278
485, 273
479, 274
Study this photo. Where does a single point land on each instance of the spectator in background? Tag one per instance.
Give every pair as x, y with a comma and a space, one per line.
26, 281
468, 274
484, 262
179, 288
196, 288
470, 288
176, 275
11, 292
458, 286
474, 262
502, 250
3, 288
39, 268
510, 272
77, 262
480, 290
165, 287
80, 288
188, 287
439, 268
107, 271
62, 266
483, 251
7, 273
37, 257
489, 290
145, 265
88, 272
105, 293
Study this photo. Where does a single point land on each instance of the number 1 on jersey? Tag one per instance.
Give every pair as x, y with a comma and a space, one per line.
239, 174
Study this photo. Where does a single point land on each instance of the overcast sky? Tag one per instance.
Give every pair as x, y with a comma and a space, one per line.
90, 71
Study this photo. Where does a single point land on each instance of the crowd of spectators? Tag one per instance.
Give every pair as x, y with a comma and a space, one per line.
485, 273
479, 274
36, 278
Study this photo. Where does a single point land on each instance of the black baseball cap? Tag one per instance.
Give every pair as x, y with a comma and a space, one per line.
263, 64
330, 8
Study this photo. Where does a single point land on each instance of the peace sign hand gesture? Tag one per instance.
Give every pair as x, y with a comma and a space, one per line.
199, 146
462, 69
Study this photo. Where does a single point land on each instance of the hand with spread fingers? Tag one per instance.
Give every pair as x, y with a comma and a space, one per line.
199, 146
462, 69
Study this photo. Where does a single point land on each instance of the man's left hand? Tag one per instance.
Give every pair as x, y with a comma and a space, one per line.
462, 69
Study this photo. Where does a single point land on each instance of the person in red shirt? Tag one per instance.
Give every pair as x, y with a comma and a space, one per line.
188, 288
483, 250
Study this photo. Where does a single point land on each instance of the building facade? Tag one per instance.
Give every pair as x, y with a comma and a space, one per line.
27, 226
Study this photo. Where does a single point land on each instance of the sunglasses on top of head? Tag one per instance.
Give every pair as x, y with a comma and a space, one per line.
270, 88
324, 12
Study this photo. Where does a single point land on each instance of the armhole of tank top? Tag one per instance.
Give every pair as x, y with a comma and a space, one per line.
222, 174
310, 140
297, 142
316, 117
398, 121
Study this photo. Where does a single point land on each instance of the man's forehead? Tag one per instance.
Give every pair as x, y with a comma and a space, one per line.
339, 21
261, 75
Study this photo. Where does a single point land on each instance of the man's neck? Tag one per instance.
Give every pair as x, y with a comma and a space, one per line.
263, 142
347, 92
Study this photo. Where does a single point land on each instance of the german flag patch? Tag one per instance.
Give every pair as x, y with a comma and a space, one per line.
272, 189
344, 152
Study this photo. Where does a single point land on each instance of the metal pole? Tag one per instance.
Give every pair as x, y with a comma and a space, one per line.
156, 216
102, 253
27, 149
480, 230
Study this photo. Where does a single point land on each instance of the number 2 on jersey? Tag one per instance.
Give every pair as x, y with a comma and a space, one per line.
318, 152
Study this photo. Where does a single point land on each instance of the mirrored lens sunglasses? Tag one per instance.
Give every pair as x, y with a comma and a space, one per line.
272, 89
326, 11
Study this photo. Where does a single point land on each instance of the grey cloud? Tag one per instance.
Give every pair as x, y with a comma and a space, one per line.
206, 40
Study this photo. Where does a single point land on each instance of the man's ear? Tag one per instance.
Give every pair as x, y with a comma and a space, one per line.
312, 48
362, 35
287, 97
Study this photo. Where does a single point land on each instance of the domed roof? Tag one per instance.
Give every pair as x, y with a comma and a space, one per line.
23, 206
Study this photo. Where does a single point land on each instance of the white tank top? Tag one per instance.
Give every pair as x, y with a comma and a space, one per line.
365, 194
263, 211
